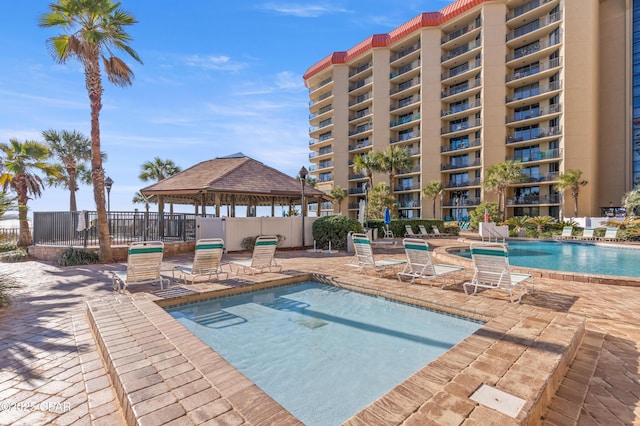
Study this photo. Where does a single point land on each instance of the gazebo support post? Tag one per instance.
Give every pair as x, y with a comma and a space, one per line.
273, 206
216, 200
161, 217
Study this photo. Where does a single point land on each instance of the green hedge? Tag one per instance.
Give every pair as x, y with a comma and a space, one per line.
334, 229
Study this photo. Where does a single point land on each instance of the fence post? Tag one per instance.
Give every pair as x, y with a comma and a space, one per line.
86, 227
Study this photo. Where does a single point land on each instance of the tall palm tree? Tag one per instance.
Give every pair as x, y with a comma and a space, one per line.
73, 151
432, 190
339, 193
368, 164
631, 202
500, 177
571, 179
21, 163
395, 160
92, 30
157, 170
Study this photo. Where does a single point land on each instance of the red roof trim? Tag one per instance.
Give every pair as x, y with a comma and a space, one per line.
429, 19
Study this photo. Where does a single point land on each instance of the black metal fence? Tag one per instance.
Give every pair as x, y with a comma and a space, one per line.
80, 228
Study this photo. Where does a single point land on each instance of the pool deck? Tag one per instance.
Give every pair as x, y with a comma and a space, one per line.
73, 352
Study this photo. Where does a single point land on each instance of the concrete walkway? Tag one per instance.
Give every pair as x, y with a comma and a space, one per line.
51, 371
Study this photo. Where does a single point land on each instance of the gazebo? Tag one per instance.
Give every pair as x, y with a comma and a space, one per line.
234, 180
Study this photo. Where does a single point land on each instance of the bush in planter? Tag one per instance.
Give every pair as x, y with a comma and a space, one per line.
248, 243
73, 256
334, 229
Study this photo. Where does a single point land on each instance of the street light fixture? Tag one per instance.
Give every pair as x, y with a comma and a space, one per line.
108, 183
303, 180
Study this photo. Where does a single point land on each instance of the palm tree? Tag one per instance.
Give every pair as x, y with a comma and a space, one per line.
73, 151
395, 160
21, 162
6, 203
571, 179
499, 178
541, 222
368, 164
93, 30
432, 190
631, 202
339, 193
157, 170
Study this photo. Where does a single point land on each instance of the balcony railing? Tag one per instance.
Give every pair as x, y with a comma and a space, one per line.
473, 163
533, 69
405, 69
461, 69
409, 204
404, 52
361, 129
534, 113
405, 136
407, 187
358, 190
537, 156
414, 169
360, 114
541, 90
355, 176
460, 89
535, 133
456, 127
360, 145
405, 86
360, 99
525, 8
322, 83
470, 144
404, 120
535, 25
360, 69
454, 184
321, 111
325, 178
533, 48
549, 177
460, 202
320, 98
461, 107
460, 32
360, 84
534, 199
460, 50
406, 102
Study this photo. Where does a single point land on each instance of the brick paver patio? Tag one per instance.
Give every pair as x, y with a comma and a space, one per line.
52, 370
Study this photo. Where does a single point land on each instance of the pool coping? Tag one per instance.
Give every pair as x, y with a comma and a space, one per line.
162, 372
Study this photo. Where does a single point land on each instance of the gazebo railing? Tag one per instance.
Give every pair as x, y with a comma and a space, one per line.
79, 229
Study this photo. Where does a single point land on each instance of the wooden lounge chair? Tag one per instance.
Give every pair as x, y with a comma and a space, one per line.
566, 233
262, 258
363, 258
492, 271
206, 261
420, 265
143, 266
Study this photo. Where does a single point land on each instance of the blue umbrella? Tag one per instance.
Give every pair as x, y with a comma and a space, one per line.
387, 216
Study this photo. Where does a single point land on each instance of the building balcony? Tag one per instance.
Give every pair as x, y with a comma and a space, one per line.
461, 202
534, 134
535, 50
461, 147
316, 117
318, 154
358, 190
461, 128
473, 27
405, 137
320, 140
461, 72
360, 145
520, 118
321, 84
360, 84
533, 199
320, 98
405, 103
357, 176
454, 93
542, 92
462, 53
540, 70
405, 86
412, 187
326, 178
549, 177
552, 154
534, 7
353, 72
405, 52
463, 165
412, 170
463, 184
324, 165
456, 109
360, 114
409, 204
404, 120
361, 129
405, 69
360, 99
536, 29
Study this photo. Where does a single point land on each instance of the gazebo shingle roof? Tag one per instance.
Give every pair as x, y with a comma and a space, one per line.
233, 179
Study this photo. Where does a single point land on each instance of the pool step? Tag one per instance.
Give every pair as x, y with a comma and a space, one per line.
163, 373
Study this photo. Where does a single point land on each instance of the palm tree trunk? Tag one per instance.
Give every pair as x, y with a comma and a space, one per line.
72, 190
94, 87
24, 238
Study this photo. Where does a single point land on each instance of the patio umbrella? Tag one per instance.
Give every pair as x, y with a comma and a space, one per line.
387, 216
361, 212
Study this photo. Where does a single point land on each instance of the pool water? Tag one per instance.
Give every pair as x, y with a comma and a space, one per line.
572, 257
322, 352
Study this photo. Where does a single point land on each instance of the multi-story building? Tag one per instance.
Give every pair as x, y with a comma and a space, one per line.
545, 82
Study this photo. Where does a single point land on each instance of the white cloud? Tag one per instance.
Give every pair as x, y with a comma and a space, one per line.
303, 10
217, 63
289, 80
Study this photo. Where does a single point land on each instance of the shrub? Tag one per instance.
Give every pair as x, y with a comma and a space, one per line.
477, 215
74, 256
6, 246
334, 229
248, 243
6, 283
17, 255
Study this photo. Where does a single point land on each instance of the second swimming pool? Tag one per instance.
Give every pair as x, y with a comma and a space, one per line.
572, 257
324, 353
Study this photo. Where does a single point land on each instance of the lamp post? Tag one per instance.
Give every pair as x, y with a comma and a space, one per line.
108, 183
303, 180
366, 188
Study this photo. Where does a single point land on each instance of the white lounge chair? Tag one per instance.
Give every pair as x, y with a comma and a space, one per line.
492, 271
206, 261
409, 232
587, 234
363, 258
423, 232
566, 233
420, 265
610, 234
143, 266
262, 258
436, 231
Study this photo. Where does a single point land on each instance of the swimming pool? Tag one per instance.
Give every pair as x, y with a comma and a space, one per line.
572, 257
324, 353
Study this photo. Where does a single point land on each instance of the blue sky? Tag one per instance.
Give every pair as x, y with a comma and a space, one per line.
218, 78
